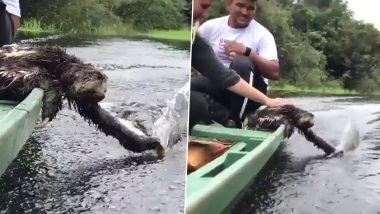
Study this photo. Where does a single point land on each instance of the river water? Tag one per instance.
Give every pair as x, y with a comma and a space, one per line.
70, 167
295, 180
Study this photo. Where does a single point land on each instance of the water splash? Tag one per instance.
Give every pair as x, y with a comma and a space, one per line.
350, 139
173, 122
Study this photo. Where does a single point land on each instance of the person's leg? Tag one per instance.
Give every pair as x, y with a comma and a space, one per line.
204, 109
6, 26
206, 86
238, 105
216, 99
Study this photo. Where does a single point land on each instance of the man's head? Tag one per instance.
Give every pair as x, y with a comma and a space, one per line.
200, 9
241, 12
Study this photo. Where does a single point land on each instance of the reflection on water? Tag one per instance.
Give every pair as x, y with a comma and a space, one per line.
70, 167
298, 180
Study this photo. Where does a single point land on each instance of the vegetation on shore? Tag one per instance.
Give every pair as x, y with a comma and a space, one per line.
34, 26
166, 19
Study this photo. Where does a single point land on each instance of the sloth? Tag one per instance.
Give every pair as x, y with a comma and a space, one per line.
62, 76
292, 117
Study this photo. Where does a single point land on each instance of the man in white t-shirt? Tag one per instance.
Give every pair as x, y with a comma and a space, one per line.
242, 44
9, 18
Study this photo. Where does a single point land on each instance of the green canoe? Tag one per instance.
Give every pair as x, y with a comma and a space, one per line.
214, 187
17, 122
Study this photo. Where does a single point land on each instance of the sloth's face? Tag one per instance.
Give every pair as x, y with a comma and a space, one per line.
86, 83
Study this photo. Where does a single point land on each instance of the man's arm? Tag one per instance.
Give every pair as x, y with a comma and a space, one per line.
268, 68
267, 59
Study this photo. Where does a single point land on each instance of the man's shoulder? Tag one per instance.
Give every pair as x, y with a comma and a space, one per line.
214, 22
258, 27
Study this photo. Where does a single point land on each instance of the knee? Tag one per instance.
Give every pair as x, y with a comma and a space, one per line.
199, 83
198, 108
242, 64
198, 105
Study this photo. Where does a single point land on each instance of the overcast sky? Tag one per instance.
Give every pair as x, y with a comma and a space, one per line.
366, 10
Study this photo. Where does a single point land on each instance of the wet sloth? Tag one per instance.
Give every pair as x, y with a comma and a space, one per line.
292, 117
62, 76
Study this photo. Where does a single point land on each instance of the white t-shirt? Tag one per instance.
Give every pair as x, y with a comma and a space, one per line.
13, 7
255, 36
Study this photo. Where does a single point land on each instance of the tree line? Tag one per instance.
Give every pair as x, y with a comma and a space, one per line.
87, 15
320, 44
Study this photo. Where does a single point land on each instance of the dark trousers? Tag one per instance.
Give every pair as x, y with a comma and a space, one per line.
210, 103
6, 26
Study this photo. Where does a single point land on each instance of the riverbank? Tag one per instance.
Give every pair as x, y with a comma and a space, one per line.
34, 26
179, 35
294, 90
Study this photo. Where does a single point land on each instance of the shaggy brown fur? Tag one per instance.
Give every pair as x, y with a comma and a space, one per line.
63, 76
292, 117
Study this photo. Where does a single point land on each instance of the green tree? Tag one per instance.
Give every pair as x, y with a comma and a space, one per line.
87, 15
153, 14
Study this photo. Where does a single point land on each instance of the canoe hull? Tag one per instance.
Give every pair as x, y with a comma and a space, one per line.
17, 125
215, 186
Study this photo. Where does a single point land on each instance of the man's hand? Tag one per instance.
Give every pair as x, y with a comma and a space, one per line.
234, 47
276, 102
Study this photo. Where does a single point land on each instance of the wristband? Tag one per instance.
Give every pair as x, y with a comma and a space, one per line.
247, 51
